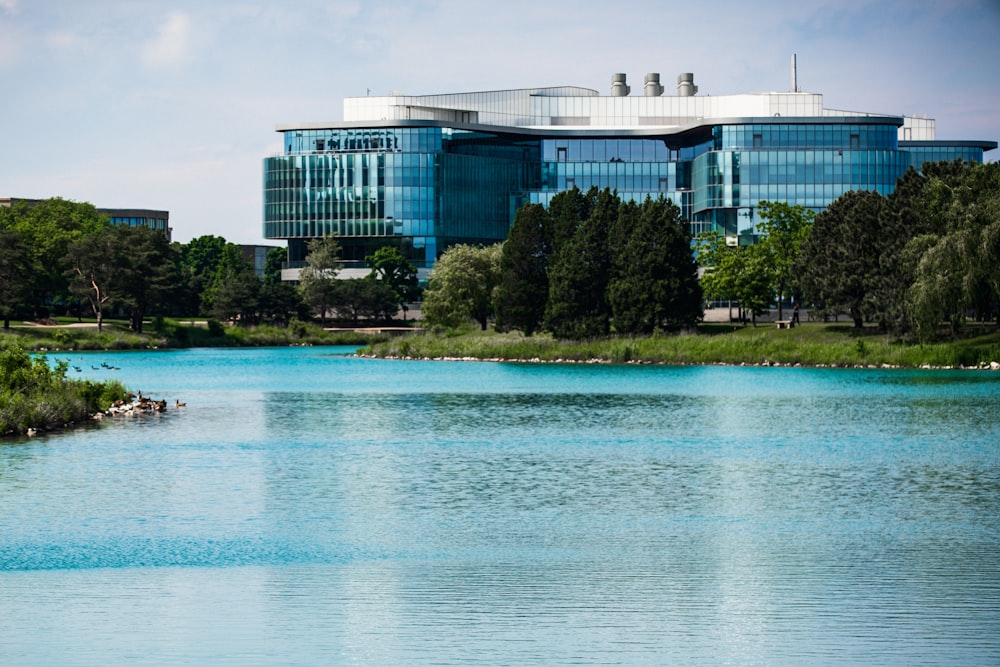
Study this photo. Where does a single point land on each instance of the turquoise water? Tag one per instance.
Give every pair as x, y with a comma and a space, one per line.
310, 508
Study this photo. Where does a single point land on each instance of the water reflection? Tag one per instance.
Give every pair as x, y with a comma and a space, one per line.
328, 511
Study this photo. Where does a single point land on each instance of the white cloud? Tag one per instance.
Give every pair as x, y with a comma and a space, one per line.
9, 6
172, 42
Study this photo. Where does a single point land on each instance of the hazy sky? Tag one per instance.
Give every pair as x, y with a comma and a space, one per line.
172, 105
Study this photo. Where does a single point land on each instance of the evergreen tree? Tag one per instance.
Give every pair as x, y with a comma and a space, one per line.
524, 283
235, 289
839, 260
580, 271
901, 221
567, 211
148, 273
200, 259
655, 277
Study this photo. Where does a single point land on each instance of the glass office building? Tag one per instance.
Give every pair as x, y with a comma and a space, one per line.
426, 172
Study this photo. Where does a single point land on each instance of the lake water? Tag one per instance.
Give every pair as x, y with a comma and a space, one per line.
310, 508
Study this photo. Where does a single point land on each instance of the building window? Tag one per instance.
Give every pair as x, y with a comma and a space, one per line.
758, 141
855, 142
561, 154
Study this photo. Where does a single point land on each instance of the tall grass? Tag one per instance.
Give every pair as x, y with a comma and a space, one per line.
167, 333
810, 345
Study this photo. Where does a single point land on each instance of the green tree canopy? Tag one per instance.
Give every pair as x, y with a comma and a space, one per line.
959, 271
784, 227
234, 291
15, 266
839, 260
148, 274
48, 228
740, 273
200, 259
359, 298
318, 279
273, 262
93, 262
654, 278
462, 286
524, 282
579, 274
390, 267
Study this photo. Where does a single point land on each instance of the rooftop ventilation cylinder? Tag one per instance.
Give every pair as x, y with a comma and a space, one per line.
652, 87
618, 86
685, 85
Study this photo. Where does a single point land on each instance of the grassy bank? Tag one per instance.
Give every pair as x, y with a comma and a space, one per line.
174, 334
36, 396
812, 344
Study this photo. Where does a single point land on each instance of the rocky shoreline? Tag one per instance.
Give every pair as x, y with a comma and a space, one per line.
992, 366
136, 406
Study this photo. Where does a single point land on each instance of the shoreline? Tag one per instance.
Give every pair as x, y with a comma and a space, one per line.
992, 366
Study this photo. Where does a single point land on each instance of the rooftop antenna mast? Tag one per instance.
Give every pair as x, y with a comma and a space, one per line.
795, 75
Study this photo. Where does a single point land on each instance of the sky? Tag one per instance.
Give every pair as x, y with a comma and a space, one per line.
173, 105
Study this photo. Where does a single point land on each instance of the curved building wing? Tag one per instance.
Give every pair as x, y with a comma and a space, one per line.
426, 172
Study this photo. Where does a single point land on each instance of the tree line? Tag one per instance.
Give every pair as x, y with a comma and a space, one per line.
924, 256
588, 265
64, 257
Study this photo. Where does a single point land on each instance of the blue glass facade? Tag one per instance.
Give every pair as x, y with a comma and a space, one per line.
428, 177
419, 188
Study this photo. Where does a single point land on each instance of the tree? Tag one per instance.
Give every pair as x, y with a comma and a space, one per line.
461, 286
200, 259
317, 281
578, 279
742, 273
93, 261
785, 227
567, 211
273, 262
902, 219
524, 282
14, 270
390, 267
235, 289
654, 283
360, 297
959, 271
839, 259
48, 228
279, 302
148, 272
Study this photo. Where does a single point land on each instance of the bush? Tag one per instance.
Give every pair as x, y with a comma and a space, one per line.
35, 395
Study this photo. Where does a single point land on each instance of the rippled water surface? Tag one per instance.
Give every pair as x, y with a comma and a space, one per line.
310, 508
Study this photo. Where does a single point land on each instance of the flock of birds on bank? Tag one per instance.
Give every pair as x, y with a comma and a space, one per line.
138, 405
134, 406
